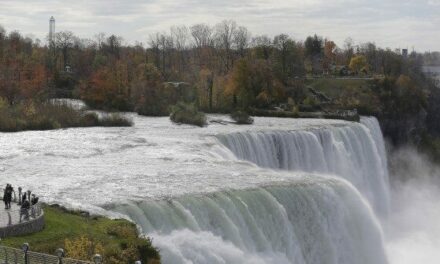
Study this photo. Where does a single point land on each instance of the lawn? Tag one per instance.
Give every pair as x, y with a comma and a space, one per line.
82, 236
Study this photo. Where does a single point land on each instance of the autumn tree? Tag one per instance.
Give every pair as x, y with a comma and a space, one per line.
252, 83
149, 95
359, 64
108, 88
330, 50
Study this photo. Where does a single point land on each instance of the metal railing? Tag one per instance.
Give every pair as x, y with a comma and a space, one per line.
13, 217
9, 255
17, 215
16, 198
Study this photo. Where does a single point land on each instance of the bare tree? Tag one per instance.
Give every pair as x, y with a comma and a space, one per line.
154, 43
112, 45
180, 34
348, 49
2, 41
202, 35
241, 40
162, 44
64, 41
224, 33
100, 38
264, 44
280, 42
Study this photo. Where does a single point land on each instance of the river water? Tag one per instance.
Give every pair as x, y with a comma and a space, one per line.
279, 191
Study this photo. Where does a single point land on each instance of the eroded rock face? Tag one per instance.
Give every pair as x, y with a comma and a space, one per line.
403, 130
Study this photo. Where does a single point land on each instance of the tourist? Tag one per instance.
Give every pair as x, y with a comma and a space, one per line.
5, 199
34, 199
24, 197
7, 196
24, 210
9, 191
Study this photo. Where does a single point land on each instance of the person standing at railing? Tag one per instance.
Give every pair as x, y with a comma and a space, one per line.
7, 196
24, 197
34, 202
24, 210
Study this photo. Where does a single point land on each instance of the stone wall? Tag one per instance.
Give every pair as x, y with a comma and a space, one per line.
28, 227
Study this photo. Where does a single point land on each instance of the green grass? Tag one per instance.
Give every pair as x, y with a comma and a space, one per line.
334, 88
348, 94
119, 238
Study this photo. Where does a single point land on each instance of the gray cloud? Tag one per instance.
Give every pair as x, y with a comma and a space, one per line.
389, 23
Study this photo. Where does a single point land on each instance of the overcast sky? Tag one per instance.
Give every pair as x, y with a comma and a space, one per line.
388, 23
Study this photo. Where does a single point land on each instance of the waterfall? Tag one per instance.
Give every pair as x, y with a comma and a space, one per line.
324, 213
322, 221
354, 152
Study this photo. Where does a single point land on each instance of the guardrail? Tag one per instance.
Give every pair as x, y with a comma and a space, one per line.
9, 255
18, 216
19, 221
16, 198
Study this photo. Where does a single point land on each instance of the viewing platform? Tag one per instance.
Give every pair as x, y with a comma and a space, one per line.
17, 221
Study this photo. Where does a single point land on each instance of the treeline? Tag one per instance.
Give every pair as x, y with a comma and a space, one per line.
220, 68
432, 58
225, 65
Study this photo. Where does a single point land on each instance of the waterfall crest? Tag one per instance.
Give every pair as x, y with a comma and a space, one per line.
323, 212
354, 152
322, 221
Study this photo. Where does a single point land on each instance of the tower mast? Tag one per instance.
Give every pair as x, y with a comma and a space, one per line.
51, 30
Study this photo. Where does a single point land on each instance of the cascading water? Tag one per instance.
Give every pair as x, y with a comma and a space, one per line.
316, 219
321, 221
202, 201
355, 153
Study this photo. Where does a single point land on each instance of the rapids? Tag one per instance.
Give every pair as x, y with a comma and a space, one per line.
279, 191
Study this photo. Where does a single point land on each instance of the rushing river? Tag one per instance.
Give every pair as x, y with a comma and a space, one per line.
279, 191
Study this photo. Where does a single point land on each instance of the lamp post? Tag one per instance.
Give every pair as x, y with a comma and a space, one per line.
25, 248
60, 254
97, 259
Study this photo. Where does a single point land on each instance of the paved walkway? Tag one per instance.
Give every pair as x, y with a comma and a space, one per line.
10, 216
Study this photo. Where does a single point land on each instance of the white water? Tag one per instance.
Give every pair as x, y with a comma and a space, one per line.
309, 221
203, 205
355, 153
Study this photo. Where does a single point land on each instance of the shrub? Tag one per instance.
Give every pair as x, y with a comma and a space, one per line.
114, 120
90, 119
33, 115
242, 118
182, 113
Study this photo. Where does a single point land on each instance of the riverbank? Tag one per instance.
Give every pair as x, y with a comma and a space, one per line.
33, 115
83, 235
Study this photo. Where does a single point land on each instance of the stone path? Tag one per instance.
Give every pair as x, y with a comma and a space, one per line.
10, 216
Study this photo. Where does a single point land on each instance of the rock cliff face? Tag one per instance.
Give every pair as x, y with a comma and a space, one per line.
433, 116
403, 130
